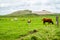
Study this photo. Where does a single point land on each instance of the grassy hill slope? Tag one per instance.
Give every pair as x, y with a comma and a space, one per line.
26, 13
18, 13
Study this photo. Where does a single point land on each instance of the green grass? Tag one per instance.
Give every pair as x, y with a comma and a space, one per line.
12, 30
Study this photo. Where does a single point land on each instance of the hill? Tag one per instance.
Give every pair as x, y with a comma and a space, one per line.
20, 12
43, 12
31, 13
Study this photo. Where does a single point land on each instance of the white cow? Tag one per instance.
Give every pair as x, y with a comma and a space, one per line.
14, 19
29, 21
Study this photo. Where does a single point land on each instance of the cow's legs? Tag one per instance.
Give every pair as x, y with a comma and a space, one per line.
43, 22
52, 22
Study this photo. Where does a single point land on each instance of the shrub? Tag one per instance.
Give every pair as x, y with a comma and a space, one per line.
33, 38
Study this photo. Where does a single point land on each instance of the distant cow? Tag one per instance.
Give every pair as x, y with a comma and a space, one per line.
47, 20
29, 21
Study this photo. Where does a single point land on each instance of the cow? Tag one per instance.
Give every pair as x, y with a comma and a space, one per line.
29, 21
47, 20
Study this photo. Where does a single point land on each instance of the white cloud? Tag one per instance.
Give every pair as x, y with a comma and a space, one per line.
4, 4
8, 5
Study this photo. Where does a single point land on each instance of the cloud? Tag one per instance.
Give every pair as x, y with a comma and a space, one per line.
8, 6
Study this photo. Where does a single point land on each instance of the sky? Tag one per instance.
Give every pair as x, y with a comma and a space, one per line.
9, 6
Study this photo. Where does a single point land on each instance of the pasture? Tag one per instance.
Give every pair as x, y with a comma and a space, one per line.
19, 29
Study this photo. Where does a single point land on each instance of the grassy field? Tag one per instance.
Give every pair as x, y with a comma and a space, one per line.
11, 29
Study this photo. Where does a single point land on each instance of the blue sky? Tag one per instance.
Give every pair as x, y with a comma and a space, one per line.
9, 6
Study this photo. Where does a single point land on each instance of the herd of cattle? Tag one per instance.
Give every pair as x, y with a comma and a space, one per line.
44, 20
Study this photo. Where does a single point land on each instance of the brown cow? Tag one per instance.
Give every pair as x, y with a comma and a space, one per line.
47, 20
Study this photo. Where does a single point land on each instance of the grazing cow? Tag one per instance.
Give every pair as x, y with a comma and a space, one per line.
29, 21
47, 20
15, 19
